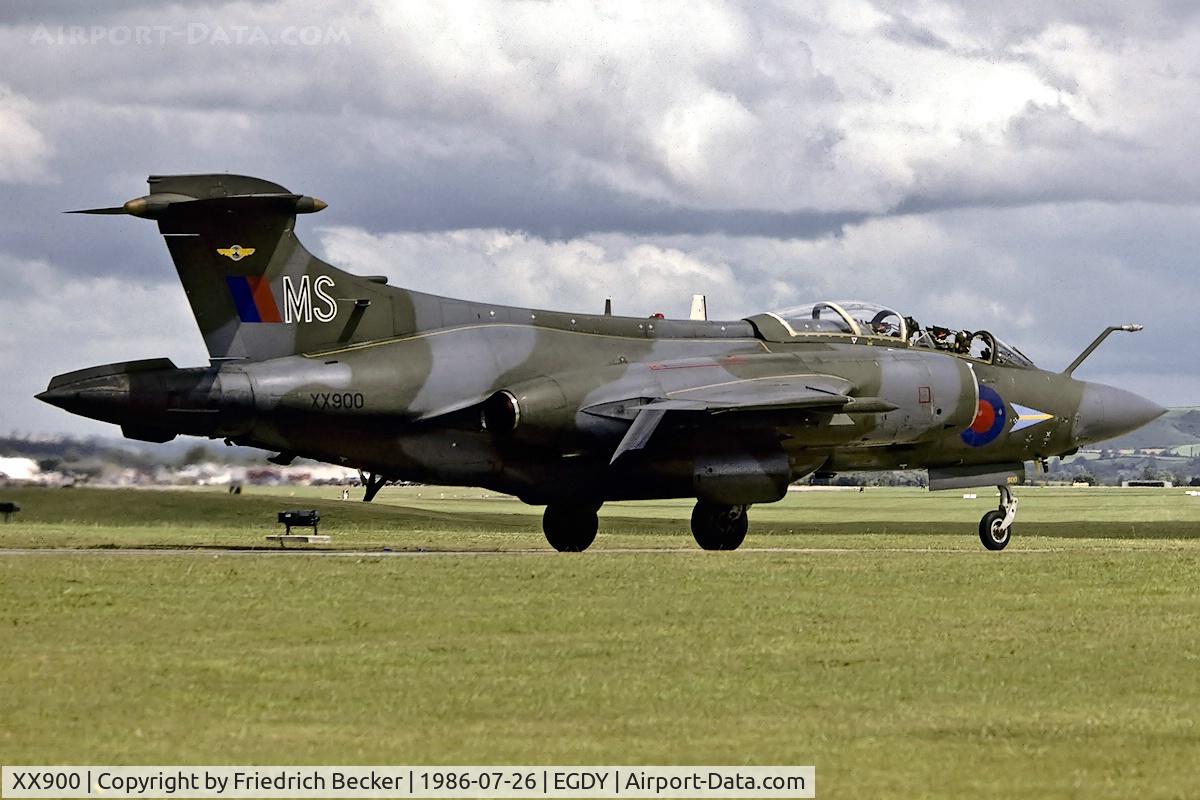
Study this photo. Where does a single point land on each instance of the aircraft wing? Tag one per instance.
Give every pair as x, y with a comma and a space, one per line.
776, 392
796, 392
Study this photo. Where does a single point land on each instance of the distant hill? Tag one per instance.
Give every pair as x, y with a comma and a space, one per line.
1179, 426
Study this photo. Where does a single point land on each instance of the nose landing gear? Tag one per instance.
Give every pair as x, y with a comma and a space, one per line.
995, 528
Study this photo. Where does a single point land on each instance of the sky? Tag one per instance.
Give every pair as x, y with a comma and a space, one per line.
1023, 167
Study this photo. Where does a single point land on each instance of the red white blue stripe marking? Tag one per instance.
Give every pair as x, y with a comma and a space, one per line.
253, 298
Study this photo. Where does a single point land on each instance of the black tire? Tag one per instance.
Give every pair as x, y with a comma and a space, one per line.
991, 534
570, 528
718, 527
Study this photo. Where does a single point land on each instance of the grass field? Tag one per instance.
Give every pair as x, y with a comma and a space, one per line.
893, 653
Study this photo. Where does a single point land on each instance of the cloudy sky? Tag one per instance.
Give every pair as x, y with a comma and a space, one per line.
1026, 167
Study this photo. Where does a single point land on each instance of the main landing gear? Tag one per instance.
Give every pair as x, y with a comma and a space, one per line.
570, 527
372, 482
995, 528
718, 527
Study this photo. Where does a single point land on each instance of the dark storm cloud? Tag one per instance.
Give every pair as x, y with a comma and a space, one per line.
37, 230
391, 194
489, 198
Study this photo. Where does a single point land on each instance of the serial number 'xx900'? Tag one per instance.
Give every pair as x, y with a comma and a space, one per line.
337, 400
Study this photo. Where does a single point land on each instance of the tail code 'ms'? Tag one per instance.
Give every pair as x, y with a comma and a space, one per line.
256, 292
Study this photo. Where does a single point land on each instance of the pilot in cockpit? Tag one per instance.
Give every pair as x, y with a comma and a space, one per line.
942, 337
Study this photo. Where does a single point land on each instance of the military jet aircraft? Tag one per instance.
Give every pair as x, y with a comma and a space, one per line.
570, 410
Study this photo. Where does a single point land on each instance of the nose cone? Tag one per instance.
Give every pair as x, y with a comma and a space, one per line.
1106, 412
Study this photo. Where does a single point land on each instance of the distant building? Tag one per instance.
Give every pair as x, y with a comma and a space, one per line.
1146, 484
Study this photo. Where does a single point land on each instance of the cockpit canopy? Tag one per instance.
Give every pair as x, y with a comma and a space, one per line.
979, 346
858, 318
853, 317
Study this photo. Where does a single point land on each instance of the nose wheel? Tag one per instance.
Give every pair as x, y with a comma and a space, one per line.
995, 529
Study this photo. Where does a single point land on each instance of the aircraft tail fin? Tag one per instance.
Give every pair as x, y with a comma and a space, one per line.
254, 289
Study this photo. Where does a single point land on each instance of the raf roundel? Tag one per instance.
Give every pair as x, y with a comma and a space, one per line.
989, 420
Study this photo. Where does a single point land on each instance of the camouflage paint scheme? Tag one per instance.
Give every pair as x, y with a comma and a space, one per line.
565, 409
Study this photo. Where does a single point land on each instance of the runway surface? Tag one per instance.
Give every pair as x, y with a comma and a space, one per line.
297, 552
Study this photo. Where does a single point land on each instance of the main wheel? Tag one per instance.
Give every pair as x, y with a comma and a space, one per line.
718, 527
570, 528
991, 532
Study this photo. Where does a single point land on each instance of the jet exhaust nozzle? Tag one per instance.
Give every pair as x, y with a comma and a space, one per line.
153, 400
